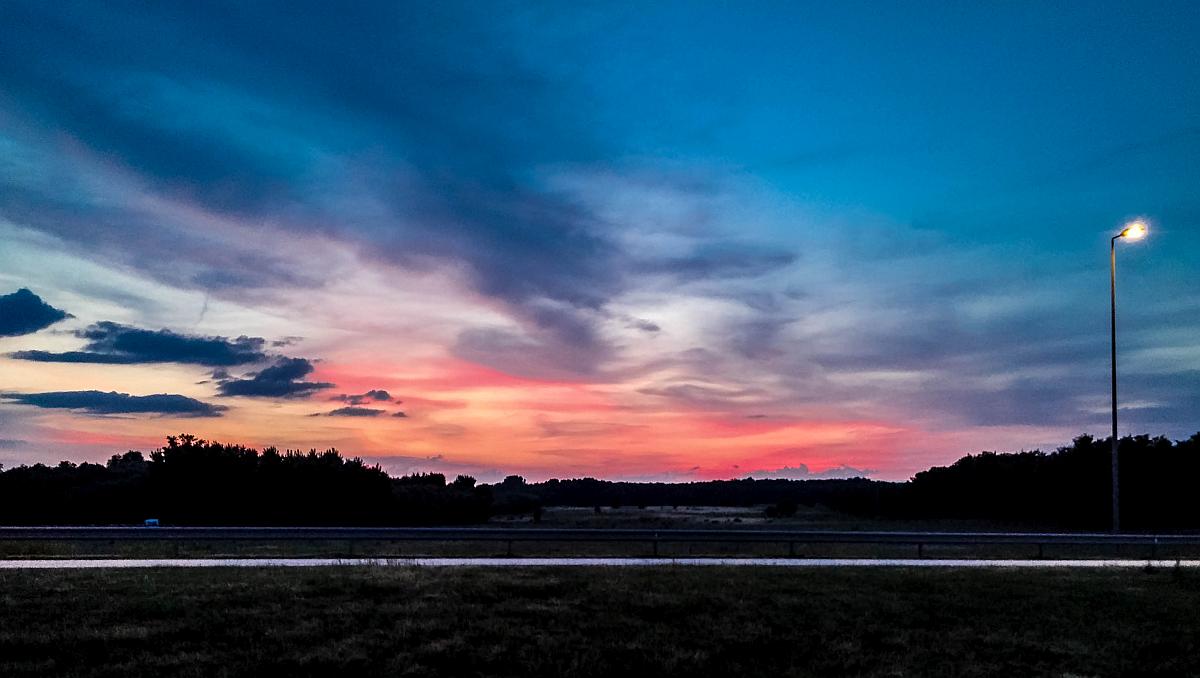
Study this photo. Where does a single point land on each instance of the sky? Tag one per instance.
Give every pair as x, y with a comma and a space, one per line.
669, 241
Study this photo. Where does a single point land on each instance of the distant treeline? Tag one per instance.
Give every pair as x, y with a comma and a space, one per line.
196, 482
1069, 488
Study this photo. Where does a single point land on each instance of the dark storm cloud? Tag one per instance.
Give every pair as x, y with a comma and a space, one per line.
374, 395
111, 343
100, 402
284, 379
24, 312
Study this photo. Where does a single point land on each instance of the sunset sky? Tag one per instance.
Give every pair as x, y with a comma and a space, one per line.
626, 240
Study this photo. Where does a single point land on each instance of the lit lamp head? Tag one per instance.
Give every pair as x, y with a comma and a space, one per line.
1135, 230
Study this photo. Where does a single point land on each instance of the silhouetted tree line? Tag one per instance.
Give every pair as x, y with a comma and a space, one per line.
514, 495
197, 482
1069, 489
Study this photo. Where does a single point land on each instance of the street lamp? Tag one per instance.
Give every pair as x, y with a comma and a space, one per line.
1134, 230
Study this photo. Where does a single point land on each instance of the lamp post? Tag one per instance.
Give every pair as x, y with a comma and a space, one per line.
1134, 230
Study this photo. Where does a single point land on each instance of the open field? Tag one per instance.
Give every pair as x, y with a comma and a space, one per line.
727, 517
592, 622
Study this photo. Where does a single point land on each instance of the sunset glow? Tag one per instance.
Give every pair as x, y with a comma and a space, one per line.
536, 242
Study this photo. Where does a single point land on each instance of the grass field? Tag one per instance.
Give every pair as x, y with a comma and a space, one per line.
729, 517
598, 622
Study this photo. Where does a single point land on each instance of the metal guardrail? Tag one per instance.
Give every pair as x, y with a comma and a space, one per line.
918, 540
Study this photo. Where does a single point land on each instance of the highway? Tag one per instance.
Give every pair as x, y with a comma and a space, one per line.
935, 563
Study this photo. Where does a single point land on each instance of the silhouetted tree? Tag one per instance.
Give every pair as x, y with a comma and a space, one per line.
191, 481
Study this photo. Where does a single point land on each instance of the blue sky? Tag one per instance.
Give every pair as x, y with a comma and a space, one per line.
642, 239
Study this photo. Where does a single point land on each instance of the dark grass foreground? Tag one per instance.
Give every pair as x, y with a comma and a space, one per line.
598, 622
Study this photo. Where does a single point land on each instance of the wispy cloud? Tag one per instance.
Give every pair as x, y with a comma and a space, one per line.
351, 411
112, 343
100, 402
284, 379
373, 395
